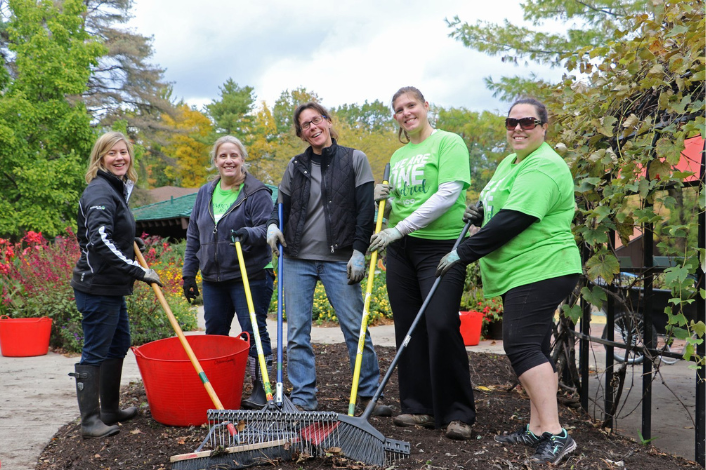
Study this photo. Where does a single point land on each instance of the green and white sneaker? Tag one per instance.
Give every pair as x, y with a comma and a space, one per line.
521, 436
553, 448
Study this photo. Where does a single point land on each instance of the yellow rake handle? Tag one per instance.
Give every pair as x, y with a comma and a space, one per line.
253, 321
366, 305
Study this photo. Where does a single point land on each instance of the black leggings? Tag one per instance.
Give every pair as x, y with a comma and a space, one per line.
528, 316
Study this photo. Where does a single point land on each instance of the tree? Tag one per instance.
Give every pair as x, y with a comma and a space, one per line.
189, 147
232, 113
45, 132
621, 131
594, 25
373, 117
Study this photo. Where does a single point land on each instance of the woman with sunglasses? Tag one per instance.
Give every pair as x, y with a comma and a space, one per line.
528, 256
429, 177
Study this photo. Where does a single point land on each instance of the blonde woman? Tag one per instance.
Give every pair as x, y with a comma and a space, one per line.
103, 276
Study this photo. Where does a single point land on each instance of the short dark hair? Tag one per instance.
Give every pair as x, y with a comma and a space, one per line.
316, 107
538, 106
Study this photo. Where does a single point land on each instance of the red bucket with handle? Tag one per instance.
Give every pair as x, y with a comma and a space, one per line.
471, 325
21, 337
175, 393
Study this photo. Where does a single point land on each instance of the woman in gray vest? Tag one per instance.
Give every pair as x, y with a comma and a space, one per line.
327, 198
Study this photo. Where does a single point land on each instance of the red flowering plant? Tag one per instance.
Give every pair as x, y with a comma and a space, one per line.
35, 276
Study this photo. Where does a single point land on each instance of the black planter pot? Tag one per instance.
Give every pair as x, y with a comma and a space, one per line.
495, 330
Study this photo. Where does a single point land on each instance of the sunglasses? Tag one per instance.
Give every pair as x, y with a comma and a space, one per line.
526, 123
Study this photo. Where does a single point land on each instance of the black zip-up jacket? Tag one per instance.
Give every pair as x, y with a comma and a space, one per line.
349, 211
106, 233
208, 245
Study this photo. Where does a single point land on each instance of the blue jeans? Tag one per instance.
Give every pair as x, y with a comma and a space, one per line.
106, 328
300, 278
223, 300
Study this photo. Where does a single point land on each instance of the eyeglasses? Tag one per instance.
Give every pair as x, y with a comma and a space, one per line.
317, 120
526, 123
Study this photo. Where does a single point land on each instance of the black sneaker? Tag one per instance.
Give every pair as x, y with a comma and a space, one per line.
521, 436
553, 448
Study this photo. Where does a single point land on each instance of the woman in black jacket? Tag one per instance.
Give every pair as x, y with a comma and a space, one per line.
103, 276
234, 201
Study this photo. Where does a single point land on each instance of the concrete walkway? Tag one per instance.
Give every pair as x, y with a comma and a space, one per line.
37, 397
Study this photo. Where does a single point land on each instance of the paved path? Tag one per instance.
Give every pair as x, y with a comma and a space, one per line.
37, 397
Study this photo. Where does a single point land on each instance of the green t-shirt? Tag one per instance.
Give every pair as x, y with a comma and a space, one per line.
417, 170
222, 200
541, 186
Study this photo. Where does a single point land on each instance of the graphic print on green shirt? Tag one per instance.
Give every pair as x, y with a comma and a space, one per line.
417, 170
541, 186
222, 200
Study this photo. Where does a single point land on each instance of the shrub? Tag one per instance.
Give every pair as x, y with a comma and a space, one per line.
35, 278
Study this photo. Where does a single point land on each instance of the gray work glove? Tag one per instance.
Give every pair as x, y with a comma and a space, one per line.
475, 214
140, 244
356, 267
382, 191
151, 277
380, 240
275, 236
447, 262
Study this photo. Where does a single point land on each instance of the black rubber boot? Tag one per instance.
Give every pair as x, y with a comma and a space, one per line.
111, 372
258, 398
87, 386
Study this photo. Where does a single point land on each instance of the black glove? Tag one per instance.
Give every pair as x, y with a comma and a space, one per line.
140, 244
240, 233
474, 214
191, 290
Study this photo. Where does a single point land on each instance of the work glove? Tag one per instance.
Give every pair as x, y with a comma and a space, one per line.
275, 236
151, 277
191, 290
382, 191
474, 214
140, 244
380, 240
447, 262
356, 267
242, 234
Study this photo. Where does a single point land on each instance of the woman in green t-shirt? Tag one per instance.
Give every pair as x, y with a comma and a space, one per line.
528, 255
429, 177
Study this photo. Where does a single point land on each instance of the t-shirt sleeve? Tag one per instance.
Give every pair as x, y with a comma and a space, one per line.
285, 184
534, 193
363, 172
454, 160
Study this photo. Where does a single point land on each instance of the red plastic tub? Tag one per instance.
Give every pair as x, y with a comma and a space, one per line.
21, 337
175, 393
471, 324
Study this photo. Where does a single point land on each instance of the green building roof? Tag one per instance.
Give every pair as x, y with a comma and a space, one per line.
176, 207
170, 218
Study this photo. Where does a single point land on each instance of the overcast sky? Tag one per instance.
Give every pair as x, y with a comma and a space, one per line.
345, 51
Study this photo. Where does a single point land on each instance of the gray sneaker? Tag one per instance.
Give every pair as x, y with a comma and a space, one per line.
521, 436
403, 420
553, 448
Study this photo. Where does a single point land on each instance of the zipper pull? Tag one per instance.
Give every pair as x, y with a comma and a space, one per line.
331, 249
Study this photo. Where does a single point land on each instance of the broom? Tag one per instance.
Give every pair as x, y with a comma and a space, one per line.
366, 306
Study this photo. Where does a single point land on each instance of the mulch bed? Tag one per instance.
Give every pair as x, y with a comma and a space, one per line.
501, 406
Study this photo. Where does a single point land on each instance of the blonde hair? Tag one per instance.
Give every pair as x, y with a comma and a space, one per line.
102, 146
227, 139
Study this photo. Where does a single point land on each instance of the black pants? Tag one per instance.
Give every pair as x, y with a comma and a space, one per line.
528, 316
433, 370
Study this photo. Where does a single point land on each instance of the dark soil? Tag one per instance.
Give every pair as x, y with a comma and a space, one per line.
501, 405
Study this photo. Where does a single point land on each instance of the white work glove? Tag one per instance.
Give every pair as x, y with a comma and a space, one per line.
382, 191
356, 267
447, 262
275, 236
151, 277
380, 240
